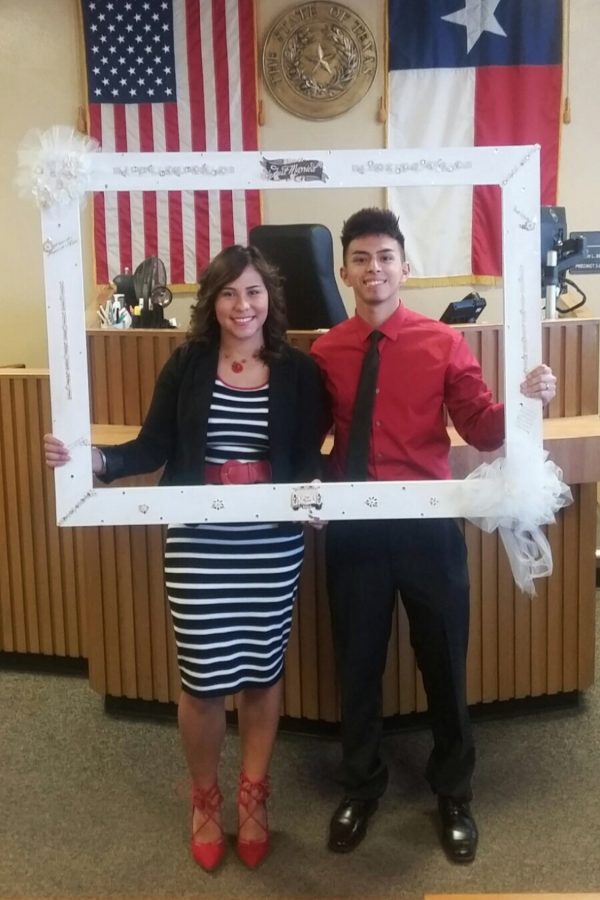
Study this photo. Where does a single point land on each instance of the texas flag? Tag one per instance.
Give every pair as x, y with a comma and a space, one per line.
466, 73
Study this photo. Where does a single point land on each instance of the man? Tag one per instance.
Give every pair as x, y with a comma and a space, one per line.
423, 369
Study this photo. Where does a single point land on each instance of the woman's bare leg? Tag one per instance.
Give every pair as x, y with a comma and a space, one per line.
259, 710
202, 729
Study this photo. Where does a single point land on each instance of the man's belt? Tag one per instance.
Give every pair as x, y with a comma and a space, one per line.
236, 472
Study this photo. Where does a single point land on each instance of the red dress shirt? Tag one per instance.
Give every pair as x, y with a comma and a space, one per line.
425, 368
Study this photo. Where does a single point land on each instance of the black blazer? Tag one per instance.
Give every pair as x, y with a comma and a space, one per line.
174, 430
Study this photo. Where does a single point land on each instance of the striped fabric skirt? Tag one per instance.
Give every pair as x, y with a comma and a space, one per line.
231, 591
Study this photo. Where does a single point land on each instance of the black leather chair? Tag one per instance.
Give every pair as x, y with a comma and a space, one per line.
304, 256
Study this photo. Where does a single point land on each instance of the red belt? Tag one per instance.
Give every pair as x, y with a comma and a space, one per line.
236, 472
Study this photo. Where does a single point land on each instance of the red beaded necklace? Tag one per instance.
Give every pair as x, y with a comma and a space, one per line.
237, 365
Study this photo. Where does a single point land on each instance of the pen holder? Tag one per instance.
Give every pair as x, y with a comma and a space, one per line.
114, 313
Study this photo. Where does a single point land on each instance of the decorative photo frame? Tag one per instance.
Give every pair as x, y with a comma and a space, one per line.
59, 182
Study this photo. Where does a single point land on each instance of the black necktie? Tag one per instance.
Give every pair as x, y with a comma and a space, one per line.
357, 462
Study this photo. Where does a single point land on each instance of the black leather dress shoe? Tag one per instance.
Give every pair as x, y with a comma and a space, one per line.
348, 824
459, 831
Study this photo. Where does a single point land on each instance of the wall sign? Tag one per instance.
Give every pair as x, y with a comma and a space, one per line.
319, 60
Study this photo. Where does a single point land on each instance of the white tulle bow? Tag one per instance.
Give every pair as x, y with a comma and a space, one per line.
517, 499
54, 165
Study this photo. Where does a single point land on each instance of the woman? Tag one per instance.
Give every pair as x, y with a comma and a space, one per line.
234, 404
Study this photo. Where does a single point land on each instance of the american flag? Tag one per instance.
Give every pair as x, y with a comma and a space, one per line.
169, 75
466, 73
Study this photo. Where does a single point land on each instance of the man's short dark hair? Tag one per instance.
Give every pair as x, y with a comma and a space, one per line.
371, 220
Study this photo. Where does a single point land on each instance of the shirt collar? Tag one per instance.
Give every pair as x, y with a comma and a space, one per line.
390, 328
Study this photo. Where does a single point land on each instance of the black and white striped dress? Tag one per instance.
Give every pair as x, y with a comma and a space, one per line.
231, 588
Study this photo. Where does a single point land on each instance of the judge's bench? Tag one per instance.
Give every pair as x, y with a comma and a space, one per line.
97, 593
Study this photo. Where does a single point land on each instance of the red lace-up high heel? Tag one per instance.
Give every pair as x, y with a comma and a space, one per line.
251, 795
207, 854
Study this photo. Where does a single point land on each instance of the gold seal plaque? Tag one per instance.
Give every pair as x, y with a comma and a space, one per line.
319, 59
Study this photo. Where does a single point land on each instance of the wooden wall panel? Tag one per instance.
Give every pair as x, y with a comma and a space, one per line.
123, 367
506, 630
474, 662
307, 629
132, 652
42, 596
586, 607
554, 649
328, 687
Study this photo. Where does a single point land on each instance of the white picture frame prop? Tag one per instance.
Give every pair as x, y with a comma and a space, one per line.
80, 502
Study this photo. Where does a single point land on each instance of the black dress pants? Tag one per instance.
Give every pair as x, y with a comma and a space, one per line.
426, 560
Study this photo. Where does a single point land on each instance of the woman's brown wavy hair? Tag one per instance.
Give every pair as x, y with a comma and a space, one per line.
226, 267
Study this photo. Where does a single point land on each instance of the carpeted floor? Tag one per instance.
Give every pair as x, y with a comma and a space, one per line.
92, 805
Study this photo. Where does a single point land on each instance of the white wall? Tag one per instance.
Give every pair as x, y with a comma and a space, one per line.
40, 86
579, 174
